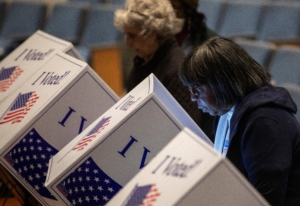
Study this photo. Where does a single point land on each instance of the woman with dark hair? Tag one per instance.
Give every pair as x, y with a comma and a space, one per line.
255, 124
191, 26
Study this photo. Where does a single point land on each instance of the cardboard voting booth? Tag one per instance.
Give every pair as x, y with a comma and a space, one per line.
95, 165
27, 58
50, 109
188, 172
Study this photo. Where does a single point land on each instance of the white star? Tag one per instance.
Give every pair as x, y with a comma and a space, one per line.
31, 133
43, 156
110, 189
106, 181
73, 202
87, 170
38, 141
40, 148
70, 191
80, 179
96, 198
21, 159
69, 181
74, 180
37, 176
95, 171
87, 162
37, 187
49, 149
88, 178
87, 198
19, 150
31, 148
31, 167
25, 168
97, 179
79, 169
25, 149
105, 198
30, 140
24, 140
20, 170
76, 189
14, 151
34, 157
39, 166
91, 188
82, 189
45, 174
79, 200
27, 158
100, 188
16, 161
30, 178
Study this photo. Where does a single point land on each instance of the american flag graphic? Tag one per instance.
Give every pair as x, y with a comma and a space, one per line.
92, 134
88, 185
19, 108
30, 159
8, 76
143, 195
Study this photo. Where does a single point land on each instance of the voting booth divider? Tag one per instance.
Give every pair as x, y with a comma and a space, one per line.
95, 165
27, 58
187, 171
56, 103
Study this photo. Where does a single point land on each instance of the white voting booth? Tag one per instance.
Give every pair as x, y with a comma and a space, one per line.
51, 108
27, 58
103, 158
188, 172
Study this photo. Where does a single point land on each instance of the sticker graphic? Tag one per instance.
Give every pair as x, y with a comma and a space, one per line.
19, 108
142, 195
8, 76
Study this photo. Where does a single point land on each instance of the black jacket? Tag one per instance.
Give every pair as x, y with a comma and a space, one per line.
165, 65
265, 144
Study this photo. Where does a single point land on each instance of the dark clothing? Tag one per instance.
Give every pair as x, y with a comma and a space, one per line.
165, 65
265, 144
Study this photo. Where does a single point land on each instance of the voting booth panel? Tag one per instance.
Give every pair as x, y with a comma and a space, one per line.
27, 58
50, 109
96, 164
187, 171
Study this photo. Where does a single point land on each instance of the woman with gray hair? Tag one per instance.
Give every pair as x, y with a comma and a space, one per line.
149, 26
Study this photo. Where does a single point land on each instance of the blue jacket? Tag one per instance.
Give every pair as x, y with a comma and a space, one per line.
265, 144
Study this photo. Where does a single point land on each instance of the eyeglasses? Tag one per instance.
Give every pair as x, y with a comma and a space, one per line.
193, 90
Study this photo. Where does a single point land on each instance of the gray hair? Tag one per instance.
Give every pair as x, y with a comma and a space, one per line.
149, 15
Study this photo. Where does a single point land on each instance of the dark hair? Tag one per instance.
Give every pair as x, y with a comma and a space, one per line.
196, 22
226, 67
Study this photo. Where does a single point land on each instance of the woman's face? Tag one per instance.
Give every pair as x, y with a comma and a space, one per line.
206, 100
143, 45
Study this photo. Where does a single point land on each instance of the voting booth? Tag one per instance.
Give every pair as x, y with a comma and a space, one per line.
42, 116
188, 172
27, 58
95, 165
